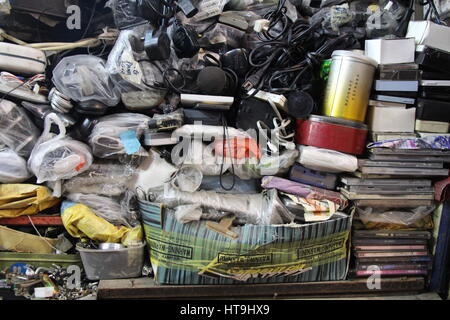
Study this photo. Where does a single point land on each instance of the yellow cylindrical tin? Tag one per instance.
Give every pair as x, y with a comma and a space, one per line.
349, 84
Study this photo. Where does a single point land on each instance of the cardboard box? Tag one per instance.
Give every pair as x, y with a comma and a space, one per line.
432, 126
391, 119
391, 51
193, 254
430, 34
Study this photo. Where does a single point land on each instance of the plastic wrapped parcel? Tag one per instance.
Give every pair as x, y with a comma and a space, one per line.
259, 209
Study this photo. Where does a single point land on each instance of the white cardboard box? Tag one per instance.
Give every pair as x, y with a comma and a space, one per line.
430, 34
391, 119
432, 126
390, 51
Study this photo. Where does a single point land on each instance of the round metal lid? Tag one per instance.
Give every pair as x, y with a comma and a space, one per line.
338, 121
356, 56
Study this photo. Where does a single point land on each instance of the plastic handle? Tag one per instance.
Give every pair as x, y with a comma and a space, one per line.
53, 118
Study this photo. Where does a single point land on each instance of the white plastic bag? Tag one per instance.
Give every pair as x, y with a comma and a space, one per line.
153, 172
13, 168
57, 157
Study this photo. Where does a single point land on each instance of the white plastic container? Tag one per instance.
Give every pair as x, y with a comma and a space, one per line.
430, 34
391, 119
113, 264
21, 60
391, 51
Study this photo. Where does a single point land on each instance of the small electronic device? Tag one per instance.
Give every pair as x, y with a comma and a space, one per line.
157, 44
152, 139
184, 40
191, 100
433, 59
315, 178
433, 110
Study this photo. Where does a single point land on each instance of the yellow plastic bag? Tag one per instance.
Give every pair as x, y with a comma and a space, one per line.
24, 199
81, 222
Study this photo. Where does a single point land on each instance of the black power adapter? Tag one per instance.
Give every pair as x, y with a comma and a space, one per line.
236, 60
157, 45
184, 40
187, 7
152, 10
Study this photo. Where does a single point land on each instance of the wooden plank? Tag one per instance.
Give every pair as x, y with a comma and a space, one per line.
146, 288
37, 220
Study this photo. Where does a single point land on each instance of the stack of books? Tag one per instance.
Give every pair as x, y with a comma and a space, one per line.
391, 253
433, 106
391, 110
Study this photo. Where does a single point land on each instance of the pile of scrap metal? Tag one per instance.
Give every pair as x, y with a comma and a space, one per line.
50, 283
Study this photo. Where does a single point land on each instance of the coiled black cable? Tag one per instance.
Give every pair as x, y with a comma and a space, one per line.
286, 61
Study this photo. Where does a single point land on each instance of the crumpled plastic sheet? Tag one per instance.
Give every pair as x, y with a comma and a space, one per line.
407, 217
108, 179
258, 209
17, 131
13, 168
107, 208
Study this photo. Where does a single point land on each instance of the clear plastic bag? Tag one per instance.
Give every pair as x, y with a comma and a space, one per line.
153, 172
267, 165
260, 209
392, 219
196, 153
85, 78
223, 35
17, 131
108, 179
327, 160
131, 76
57, 157
188, 178
107, 208
124, 13
189, 212
13, 168
212, 183
107, 138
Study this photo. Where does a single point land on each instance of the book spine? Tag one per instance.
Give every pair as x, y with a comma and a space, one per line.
391, 272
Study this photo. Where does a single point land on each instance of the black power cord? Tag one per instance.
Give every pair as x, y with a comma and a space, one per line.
225, 138
431, 8
290, 53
